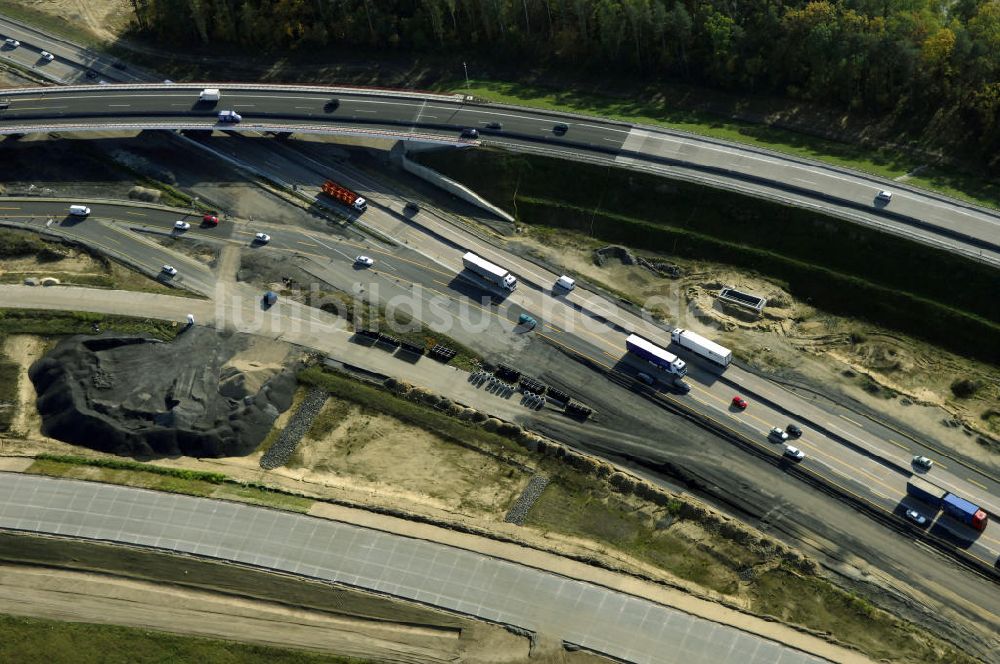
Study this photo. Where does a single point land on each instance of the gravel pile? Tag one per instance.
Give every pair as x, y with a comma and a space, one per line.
281, 451
519, 510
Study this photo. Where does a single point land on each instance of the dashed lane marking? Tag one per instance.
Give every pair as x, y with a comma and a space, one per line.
851, 421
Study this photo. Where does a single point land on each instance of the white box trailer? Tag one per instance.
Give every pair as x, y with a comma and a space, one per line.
492, 273
210, 94
701, 346
656, 356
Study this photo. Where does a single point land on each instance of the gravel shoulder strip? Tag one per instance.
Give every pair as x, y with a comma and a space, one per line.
282, 449
519, 510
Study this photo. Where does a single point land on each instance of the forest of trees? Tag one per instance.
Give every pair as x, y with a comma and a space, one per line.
875, 56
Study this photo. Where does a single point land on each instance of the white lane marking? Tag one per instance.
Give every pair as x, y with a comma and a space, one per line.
620, 131
119, 105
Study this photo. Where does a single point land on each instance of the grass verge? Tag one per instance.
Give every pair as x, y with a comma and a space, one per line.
381, 400
8, 390
887, 163
46, 322
172, 480
39, 640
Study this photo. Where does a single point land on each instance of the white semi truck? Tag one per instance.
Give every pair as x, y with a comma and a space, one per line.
492, 273
701, 346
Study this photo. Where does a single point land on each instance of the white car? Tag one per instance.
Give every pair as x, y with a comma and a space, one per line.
794, 453
230, 116
169, 270
181, 225
263, 238
884, 196
778, 435
10, 42
916, 517
922, 462
47, 56
364, 260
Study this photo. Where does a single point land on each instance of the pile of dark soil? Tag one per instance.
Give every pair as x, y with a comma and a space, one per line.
141, 397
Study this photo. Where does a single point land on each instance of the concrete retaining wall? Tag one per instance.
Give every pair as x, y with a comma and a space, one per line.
449, 185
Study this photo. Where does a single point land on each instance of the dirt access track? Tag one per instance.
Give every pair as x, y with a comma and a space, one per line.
96, 583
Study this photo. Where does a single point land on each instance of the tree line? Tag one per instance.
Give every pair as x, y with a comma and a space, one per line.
876, 56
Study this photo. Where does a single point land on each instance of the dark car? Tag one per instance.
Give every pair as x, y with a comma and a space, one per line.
681, 386
494, 125
412, 207
470, 133
560, 128
91, 73
119, 65
331, 105
646, 378
793, 431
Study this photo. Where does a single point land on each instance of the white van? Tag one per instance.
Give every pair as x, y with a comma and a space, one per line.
210, 94
566, 283
79, 210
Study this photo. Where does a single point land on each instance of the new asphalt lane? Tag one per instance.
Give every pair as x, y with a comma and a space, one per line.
594, 617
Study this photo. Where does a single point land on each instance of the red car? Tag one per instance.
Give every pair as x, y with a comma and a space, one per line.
739, 402
210, 219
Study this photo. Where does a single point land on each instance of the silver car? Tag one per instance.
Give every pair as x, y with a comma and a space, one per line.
794, 453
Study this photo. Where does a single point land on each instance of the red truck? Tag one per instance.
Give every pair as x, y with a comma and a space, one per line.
344, 195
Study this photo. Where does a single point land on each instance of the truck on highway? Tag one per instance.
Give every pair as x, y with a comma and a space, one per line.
658, 357
702, 346
210, 94
954, 506
491, 272
344, 195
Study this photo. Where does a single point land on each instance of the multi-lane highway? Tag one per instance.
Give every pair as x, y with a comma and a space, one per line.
928, 217
858, 456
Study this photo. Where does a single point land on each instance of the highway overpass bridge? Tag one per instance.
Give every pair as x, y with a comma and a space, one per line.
440, 118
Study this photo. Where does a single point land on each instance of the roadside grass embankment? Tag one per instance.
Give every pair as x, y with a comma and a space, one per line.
34, 257
655, 109
587, 501
47, 323
56, 642
834, 265
160, 478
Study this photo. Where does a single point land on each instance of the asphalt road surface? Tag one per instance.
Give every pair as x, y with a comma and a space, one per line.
932, 218
591, 616
859, 457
